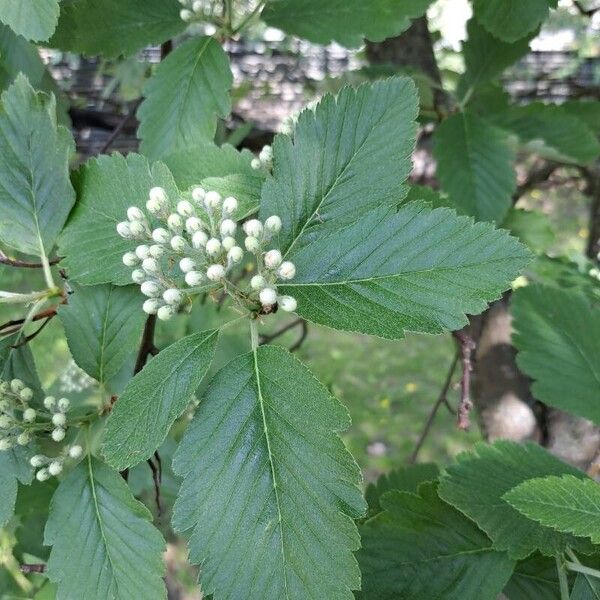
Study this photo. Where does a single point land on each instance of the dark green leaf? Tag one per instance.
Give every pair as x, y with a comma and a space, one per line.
33, 19
534, 578
585, 588
586, 110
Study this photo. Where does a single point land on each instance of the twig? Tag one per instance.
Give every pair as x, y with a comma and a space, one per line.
467, 345
303, 334
33, 335
49, 312
116, 132
442, 398
13, 262
268, 338
147, 347
33, 568
538, 175
156, 482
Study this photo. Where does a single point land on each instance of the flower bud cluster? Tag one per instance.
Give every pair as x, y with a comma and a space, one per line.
52, 466
192, 10
264, 160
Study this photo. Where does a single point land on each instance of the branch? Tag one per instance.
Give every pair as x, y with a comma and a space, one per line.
147, 347
116, 132
33, 335
13, 262
467, 345
536, 176
267, 339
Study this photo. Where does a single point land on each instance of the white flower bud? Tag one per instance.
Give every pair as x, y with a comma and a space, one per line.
194, 278
59, 419
150, 265
227, 228
151, 306
198, 195
186, 265
5, 444
4, 386
252, 244
193, 224
154, 207
199, 239
255, 164
151, 289
24, 438
75, 451
42, 475
137, 229
55, 468
26, 394
258, 282
228, 243
268, 296
287, 270
213, 247
185, 208
253, 228
29, 415
175, 223
273, 224
165, 312
173, 296
186, 15
230, 205
287, 303
135, 214
161, 236
215, 272
266, 154
142, 252
5, 422
16, 385
124, 230
178, 243
235, 255
63, 404
197, 6
212, 200
58, 434
38, 460
272, 259
159, 195
156, 251
130, 259
138, 276
49, 402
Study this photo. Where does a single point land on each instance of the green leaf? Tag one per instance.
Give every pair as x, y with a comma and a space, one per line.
510, 20
585, 588
103, 543
421, 548
350, 155
103, 324
347, 22
155, 397
486, 57
106, 186
115, 27
416, 270
35, 195
551, 132
557, 335
568, 504
184, 98
33, 19
487, 474
405, 479
532, 227
587, 111
475, 166
533, 579
270, 492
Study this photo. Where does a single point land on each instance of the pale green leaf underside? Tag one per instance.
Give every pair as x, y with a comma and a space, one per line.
557, 335
511, 20
115, 27
585, 587
184, 98
35, 192
33, 19
155, 397
475, 166
348, 156
486, 475
568, 504
103, 325
103, 543
106, 187
345, 21
269, 491
416, 270
421, 548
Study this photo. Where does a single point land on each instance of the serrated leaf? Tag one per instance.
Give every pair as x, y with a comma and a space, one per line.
350, 155
246, 189
347, 22
587, 111
416, 270
531, 227
533, 579
557, 335
511, 20
103, 543
421, 548
487, 474
405, 479
36, 194
106, 186
155, 397
551, 132
103, 324
33, 19
184, 98
115, 27
269, 492
566, 503
475, 166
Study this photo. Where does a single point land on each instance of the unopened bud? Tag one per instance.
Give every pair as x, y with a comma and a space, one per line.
38, 460
151, 289
135, 214
193, 224
165, 312
55, 468
5, 421
124, 230
63, 404
235, 254
212, 200
227, 228
42, 475
228, 243
186, 15
268, 296
172, 296
253, 228
157, 251
138, 276
24, 438
75, 451
142, 252
151, 306
213, 247
16, 385
49, 402
186, 265
130, 259
161, 236
198, 195
178, 243
194, 278
273, 224
150, 265
185, 208
29, 415
230, 205
58, 434
287, 303
287, 270
158, 194
252, 244
215, 272
175, 222
258, 282
26, 394
137, 229
199, 239
272, 259
59, 419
